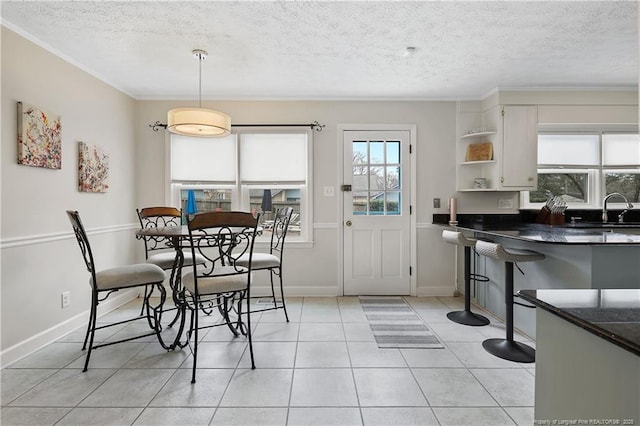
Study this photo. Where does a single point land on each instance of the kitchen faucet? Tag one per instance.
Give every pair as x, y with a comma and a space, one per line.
605, 217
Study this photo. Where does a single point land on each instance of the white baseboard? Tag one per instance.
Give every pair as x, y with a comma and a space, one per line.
447, 291
34, 343
297, 291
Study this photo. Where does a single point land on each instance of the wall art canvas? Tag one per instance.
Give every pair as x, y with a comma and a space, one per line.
93, 168
39, 137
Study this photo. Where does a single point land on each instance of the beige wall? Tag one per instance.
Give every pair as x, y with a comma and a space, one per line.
40, 257
314, 271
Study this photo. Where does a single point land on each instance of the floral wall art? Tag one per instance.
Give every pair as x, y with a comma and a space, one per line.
39, 137
93, 168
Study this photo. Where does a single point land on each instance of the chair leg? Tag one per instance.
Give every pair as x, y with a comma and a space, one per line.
508, 348
146, 289
92, 325
92, 313
273, 292
195, 334
284, 305
253, 364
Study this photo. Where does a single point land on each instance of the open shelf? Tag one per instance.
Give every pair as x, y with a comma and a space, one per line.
477, 134
477, 162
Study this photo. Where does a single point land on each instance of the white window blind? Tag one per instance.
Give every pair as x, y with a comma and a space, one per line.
571, 150
203, 159
279, 157
621, 149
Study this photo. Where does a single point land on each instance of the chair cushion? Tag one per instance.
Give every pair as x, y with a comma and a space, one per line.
165, 259
129, 276
260, 261
217, 283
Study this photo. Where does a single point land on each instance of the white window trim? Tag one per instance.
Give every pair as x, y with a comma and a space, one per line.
596, 182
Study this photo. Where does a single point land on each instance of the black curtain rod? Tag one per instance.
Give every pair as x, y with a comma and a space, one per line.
315, 125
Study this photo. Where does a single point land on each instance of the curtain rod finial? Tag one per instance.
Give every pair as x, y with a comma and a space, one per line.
155, 126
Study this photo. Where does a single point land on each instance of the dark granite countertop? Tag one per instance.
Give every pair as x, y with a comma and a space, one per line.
611, 314
513, 227
562, 234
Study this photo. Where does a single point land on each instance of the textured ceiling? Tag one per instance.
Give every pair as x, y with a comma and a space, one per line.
338, 50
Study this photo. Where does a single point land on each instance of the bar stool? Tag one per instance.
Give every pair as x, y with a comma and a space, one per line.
508, 348
465, 317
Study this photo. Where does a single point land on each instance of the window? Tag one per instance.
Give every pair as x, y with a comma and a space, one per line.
583, 167
376, 178
250, 170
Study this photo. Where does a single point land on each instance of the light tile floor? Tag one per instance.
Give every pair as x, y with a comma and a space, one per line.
322, 368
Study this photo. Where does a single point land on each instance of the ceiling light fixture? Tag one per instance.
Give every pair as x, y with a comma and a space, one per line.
206, 123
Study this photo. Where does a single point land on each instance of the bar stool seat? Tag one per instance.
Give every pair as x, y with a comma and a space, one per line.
508, 348
465, 317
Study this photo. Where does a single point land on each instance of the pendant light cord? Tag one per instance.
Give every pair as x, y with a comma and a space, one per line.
200, 81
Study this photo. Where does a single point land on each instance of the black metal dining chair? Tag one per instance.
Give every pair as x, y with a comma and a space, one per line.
157, 250
272, 261
221, 237
108, 281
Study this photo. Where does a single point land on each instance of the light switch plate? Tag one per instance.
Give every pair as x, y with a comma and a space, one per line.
329, 191
436, 203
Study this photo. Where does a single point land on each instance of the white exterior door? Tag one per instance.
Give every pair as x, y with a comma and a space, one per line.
376, 217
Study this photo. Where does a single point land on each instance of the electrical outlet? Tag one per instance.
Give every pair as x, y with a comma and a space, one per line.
65, 299
505, 203
436, 203
329, 191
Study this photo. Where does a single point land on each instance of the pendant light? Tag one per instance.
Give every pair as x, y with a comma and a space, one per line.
206, 123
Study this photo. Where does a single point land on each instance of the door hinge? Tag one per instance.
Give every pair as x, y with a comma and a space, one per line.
410, 270
345, 188
503, 112
410, 149
410, 210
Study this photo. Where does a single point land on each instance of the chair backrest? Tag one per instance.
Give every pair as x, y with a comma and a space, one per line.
279, 231
83, 242
222, 237
154, 217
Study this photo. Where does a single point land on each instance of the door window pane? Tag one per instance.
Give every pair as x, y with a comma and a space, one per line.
376, 177
376, 203
393, 177
393, 152
376, 151
393, 203
360, 202
571, 187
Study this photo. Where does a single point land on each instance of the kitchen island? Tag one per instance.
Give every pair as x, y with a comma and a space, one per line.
587, 356
576, 257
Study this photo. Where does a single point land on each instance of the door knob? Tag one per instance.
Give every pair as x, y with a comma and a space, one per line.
348, 223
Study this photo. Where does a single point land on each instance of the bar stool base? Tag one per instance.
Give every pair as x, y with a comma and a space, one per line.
510, 350
468, 318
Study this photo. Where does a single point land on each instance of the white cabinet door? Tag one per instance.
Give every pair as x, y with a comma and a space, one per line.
519, 147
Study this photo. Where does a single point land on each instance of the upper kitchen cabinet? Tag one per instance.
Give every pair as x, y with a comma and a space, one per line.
500, 152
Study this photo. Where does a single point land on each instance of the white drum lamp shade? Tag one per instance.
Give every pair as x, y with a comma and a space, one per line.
201, 122
198, 122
